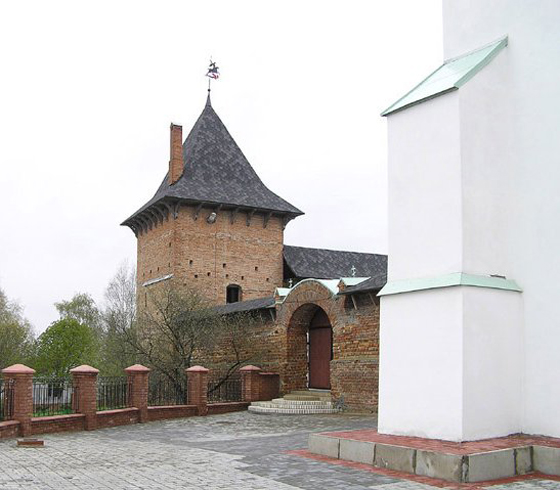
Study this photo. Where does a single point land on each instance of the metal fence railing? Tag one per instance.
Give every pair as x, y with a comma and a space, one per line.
6, 399
163, 390
228, 390
53, 396
112, 392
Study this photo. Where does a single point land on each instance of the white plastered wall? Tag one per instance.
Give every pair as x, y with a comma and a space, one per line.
492, 363
425, 236
511, 128
420, 375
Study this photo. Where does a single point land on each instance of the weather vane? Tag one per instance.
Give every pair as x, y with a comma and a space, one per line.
212, 73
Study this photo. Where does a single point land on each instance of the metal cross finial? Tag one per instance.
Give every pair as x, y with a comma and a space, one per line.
353, 271
290, 283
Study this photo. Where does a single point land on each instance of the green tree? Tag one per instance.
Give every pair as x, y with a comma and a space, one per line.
82, 308
63, 345
16, 334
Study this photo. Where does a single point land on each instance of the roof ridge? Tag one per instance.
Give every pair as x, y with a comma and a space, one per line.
333, 250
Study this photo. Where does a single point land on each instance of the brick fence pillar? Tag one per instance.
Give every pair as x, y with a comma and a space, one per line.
138, 385
197, 388
250, 383
22, 395
85, 385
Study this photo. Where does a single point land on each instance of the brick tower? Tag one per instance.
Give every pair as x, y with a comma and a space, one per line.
212, 225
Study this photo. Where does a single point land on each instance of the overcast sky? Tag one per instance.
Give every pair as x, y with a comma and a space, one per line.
88, 89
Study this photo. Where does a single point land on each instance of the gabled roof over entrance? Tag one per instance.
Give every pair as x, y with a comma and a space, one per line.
320, 263
216, 173
450, 76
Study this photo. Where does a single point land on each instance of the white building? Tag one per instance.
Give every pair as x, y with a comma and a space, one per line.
470, 317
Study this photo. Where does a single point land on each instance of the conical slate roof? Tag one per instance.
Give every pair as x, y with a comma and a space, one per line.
217, 173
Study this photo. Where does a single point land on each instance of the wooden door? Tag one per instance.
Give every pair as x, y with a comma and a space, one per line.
320, 351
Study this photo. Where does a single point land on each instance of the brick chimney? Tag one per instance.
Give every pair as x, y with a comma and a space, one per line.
176, 154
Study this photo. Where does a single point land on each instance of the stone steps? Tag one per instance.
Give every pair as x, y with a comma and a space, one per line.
310, 397
291, 411
296, 403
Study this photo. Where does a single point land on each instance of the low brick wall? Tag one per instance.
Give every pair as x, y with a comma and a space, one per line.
112, 418
217, 408
88, 418
8, 429
57, 423
171, 412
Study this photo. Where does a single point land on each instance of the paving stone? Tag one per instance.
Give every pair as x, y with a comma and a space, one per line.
395, 457
491, 465
357, 451
546, 460
236, 451
439, 465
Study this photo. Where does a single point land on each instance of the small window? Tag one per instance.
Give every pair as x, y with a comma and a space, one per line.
233, 293
208, 274
190, 262
224, 266
256, 268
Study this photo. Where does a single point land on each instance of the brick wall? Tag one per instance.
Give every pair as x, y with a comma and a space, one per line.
171, 412
58, 423
208, 257
9, 429
280, 346
113, 418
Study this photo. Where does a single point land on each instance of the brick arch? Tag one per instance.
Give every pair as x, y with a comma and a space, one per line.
295, 315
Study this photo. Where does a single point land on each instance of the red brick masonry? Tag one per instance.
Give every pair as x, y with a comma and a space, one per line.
473, 447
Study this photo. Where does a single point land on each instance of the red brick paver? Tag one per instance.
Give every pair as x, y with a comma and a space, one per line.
509, 442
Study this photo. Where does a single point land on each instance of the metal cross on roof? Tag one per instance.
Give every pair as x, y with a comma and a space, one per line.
353, 271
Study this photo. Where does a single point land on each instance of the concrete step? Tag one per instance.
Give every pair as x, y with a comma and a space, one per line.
436, 460
302, 402
290, 396
325, 393
281, 403
290, 411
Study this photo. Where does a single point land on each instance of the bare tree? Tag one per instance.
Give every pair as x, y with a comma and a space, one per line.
119, 317
178, 329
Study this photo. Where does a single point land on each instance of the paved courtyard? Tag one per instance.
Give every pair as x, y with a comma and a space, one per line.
231, 451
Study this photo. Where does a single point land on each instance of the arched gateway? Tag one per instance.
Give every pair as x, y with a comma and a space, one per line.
309, 337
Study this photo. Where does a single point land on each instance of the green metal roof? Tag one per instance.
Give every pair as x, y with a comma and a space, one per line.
449, 280
450, 76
